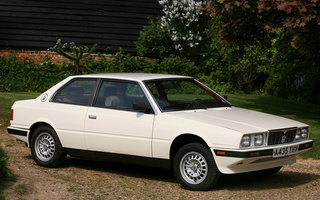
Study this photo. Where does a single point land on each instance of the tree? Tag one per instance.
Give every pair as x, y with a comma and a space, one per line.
241, 22
246, 21
74, 54
300, 18
252, 22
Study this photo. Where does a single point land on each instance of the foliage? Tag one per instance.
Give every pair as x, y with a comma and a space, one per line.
291, 73
300, 18
241, 22
23, 74
222, 67
26, 75
4, 170
275, 68
181, 31
293, 13
74, 54
153, 39
247, 64
244, 22
216, 83
183, 20
123, 62
176, 65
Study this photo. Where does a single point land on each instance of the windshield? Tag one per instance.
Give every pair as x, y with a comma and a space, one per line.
184, 94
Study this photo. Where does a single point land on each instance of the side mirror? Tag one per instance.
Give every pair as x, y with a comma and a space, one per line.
225, 97
141, 107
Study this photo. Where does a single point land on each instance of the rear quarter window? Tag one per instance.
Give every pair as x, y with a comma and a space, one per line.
78, 91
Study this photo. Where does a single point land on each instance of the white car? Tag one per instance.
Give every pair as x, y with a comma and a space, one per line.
158, 120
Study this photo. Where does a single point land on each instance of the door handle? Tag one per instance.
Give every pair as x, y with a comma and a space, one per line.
92, 117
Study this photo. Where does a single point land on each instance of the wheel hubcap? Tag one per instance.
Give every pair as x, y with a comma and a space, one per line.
44, 146
193, 167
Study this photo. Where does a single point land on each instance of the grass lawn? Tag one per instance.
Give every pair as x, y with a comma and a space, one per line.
6, 101
308, 113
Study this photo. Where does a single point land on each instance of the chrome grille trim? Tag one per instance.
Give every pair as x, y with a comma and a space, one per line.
281, 136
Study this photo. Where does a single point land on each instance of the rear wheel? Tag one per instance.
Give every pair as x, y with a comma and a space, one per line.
46, 148
195, 168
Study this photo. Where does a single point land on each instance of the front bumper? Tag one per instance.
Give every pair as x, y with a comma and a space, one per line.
248, 160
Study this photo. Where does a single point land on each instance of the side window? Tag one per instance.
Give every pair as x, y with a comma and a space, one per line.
77, 92
119, 95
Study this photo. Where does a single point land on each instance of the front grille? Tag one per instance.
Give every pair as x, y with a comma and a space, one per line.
281, 136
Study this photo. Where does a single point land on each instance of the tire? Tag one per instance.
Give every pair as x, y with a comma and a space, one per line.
195, 168
46, 148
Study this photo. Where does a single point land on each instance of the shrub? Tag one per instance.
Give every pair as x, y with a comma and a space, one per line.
4, 170
184, 22
123, 62
177, 65
154, 40
247, 64
291, 74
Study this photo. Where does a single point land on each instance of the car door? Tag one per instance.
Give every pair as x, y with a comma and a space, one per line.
67, 111
113, 126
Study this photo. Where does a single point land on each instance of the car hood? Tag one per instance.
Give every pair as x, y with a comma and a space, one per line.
241, 120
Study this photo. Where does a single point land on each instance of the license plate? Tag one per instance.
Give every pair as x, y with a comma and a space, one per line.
285, 151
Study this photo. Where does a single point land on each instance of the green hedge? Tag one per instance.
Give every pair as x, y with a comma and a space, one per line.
25, 75
291, 78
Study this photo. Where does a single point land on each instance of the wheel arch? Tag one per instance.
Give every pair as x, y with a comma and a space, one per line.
35, 126
182, 140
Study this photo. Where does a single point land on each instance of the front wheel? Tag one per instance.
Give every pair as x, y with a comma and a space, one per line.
195, 168
46, 148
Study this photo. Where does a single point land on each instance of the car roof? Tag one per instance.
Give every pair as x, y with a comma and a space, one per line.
131, 76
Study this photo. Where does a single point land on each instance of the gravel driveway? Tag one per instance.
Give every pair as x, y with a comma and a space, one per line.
85, 179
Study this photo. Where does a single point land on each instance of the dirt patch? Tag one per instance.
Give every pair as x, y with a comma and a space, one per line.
86, 179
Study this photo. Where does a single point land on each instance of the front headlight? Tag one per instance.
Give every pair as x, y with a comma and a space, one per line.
258, 140
253, 140
302, 133
246, 141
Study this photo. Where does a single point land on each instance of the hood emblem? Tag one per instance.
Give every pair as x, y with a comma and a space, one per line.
283, 139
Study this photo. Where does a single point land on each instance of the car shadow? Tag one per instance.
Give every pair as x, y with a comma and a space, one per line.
259, 181
234, 182
152, 173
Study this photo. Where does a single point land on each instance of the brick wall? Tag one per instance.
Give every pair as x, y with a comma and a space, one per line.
37, 56
34, 55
